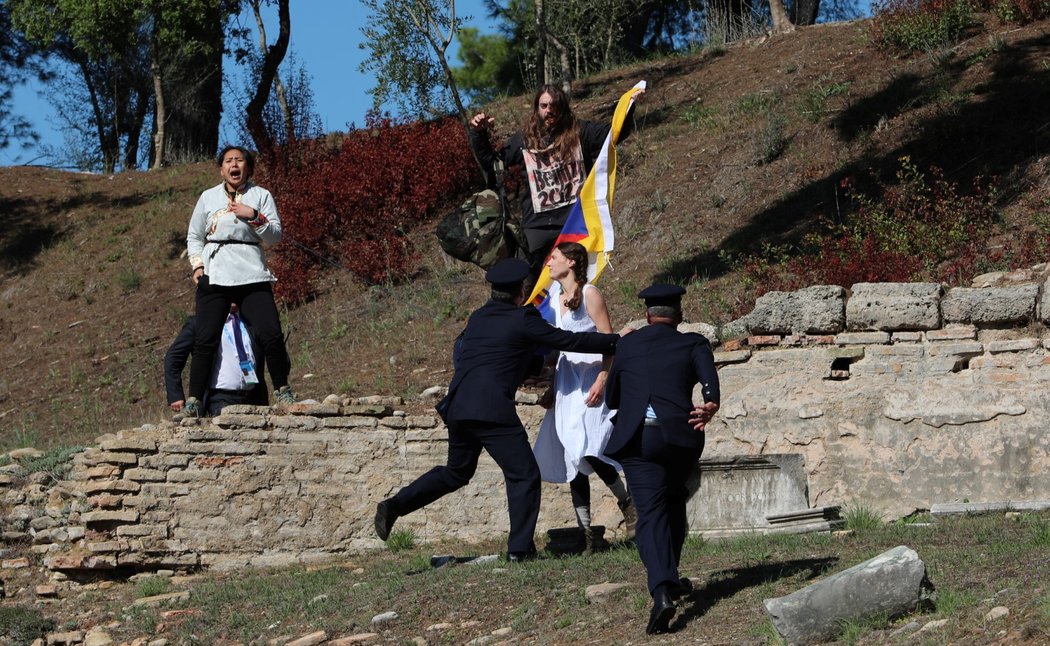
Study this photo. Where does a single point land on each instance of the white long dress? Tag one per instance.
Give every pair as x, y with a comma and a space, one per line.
572, 429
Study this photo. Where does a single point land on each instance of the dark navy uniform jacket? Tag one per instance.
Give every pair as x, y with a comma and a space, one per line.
661, 365
495, 352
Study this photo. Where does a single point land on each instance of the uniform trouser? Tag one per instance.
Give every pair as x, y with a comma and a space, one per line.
509, 447
658, 476
259, 312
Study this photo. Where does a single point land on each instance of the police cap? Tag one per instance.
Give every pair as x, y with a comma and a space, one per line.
508, 272
661, 294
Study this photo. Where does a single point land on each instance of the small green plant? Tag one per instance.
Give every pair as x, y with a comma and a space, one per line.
128, 279
813, 103
151, 586
700, 116
23, 625
859, 516
401, 540
1040, 531
920, 25
852, 631
772, 140
949, 601
756, 103
56, 462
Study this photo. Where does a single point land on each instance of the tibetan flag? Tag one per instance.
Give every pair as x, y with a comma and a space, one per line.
590, 219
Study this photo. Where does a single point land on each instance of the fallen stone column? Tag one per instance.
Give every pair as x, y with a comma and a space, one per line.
890, 585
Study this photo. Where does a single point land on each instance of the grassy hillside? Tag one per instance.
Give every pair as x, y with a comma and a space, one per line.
740, 150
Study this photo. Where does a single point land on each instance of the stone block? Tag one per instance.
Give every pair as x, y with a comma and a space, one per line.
106, 501
907, 350
990, 306
888, 586
1044, 303
243, 409
862, 338
298, 423
393, 422
108, 486
145, 475
952, 333
1012, 345
313, 409
160, 531
734, 356
165, 461
115, 516
391, 401
422, 421
906, 337
819, 309
709, 331
373, 410
852, 352
113, 457
353, 421
229, 420
192, 475
93, 473
893, 306
965, 348
134, 444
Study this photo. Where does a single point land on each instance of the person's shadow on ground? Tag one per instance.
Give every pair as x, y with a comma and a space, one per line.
726, 583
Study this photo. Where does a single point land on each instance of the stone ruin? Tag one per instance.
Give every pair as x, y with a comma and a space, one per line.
894, 396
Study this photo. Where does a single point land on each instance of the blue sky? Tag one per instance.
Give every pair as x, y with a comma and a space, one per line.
325, 37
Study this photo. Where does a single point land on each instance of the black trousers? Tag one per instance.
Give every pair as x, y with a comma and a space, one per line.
257, 308
659, 477
509, 447
580, 486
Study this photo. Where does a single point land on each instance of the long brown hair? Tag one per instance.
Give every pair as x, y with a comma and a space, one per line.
575, 252
562, 139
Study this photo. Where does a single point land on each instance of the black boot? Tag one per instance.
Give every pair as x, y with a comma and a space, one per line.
385, 517
661, 614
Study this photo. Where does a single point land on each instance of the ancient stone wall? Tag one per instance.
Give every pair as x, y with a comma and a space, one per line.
897, 397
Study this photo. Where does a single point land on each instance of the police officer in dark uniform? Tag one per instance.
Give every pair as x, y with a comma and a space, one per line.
495, 353
658, 436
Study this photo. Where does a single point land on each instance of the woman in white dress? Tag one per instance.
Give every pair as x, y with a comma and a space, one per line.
575, 430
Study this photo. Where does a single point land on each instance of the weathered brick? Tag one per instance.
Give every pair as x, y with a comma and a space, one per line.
106, 501
763, 339
1013, 345
240, 421
92, 473
906, 337
375, 410
143, 530
350, 422
297, 423
134, 444
192, 475
113, 457
964, 348
314, 410
862, 338
393, 422
106, 547
108, 516
901, 350
145, 475
732, 356
163, 461
108, 486
952, 333
847, 352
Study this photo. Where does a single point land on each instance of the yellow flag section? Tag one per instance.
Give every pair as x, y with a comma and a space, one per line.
590, 220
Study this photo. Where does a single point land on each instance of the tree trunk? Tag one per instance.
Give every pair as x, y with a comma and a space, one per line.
804, 12
256, 126
282, 99
192, 88
541, 43
781, 22
108, 144
160, 114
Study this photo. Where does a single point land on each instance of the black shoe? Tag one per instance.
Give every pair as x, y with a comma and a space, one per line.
661, 614
385, 517
521, 557
683, 589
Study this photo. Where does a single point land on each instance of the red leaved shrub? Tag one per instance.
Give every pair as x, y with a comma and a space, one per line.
351, 205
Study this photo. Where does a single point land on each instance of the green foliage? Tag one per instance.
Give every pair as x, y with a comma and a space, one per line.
404, 39
23, 625
771, 141
852, 631
1040, 528
489, 69
55, 462
129, 279
700, 116
859, 516
949, 601
152, 586
401, 540
920, 25
813, 102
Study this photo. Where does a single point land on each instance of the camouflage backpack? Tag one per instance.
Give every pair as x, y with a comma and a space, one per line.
477, 231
